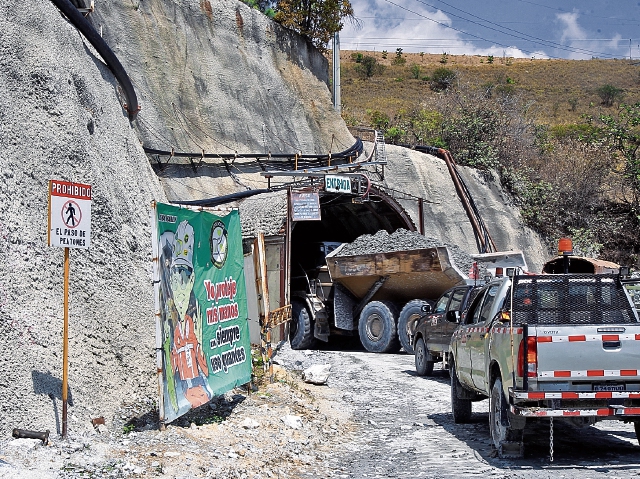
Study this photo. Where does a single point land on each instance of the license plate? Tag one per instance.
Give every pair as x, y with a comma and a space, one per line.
608, 387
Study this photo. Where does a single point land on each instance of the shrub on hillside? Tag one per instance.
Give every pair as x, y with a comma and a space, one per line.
399, 59
609, 94
368, 67
442, 79
379, 120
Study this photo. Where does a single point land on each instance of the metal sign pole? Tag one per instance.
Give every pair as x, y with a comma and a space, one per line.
65, 344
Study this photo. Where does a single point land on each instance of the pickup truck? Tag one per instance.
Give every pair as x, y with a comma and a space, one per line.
563, 346
433, 332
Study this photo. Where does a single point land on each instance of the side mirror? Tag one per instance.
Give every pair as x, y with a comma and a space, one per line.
426, 308
453, 316
504, 316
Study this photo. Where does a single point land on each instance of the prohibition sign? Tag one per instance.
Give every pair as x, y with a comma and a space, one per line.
71, 214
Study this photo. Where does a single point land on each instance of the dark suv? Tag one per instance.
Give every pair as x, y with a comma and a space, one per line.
433, 331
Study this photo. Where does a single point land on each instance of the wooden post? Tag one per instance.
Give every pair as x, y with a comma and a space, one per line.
65, 344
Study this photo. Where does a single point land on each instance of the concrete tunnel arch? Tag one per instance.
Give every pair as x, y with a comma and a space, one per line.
343, 220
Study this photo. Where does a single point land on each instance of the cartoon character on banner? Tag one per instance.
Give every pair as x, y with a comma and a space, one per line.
188, 363
169, 315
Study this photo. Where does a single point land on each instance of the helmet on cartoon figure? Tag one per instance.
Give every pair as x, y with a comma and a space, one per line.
183, 245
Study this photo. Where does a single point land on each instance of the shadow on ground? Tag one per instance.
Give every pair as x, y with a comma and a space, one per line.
590, 448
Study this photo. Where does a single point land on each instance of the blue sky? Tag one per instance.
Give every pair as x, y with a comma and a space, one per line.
517, 28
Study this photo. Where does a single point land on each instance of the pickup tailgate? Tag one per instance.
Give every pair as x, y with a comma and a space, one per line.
586, 329
591, 353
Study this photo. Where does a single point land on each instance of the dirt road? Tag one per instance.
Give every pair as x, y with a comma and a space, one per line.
405, 430
374, 419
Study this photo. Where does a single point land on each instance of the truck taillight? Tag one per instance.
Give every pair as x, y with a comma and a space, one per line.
532, 358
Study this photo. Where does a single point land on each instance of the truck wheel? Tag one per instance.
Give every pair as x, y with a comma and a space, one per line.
301, 328
377, 327
637, 426
423, 367
507, 441
407, 322
460, 408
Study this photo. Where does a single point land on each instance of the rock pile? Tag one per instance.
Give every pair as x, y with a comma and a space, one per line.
401, 240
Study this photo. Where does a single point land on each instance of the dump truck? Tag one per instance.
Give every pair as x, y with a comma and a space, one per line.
380, 296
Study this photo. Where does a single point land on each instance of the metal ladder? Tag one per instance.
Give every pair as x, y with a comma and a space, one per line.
380, 152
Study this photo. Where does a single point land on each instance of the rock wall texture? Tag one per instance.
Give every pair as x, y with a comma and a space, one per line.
210, 75
427, 177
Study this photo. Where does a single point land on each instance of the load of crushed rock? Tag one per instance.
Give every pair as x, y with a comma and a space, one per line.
402, 240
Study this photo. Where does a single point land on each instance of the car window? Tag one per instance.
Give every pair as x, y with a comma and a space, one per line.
474, 308
441, 305
487, 303
456, 299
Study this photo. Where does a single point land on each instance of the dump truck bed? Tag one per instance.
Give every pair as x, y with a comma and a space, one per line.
418, 273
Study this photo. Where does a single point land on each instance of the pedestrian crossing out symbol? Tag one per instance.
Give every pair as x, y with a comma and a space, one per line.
71, 214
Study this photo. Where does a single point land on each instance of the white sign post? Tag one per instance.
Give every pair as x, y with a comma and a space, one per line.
69, 227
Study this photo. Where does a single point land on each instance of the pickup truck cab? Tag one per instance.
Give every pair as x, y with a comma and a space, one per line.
433, 331
564, 346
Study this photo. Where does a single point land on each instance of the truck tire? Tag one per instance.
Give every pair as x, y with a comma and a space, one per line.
424, 367
507, 441
377, 327
301, 328
460, 408
407, 322
636, 424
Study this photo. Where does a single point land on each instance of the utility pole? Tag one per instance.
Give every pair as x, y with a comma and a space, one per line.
336, 72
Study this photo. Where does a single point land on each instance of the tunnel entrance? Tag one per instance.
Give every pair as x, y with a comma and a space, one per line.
343, 220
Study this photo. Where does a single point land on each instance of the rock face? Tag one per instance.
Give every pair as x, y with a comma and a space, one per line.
220, 77
209, 75
213, 76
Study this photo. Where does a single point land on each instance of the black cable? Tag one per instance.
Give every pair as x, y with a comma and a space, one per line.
82, 24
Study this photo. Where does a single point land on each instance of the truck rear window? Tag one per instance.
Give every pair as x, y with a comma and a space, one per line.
571, 299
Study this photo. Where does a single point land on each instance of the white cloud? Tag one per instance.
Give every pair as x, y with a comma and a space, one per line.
415, 28
575, 37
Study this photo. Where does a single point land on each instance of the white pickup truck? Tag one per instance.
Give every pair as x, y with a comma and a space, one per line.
563, 346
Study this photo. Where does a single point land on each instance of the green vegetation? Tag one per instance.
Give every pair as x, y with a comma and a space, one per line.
399, 59
609, 94
368, 66
317, 20
555, 132
442, 79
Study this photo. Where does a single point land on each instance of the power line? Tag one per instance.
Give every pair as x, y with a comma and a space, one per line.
515, 34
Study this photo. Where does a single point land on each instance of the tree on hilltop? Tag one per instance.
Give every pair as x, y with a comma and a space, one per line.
318, 20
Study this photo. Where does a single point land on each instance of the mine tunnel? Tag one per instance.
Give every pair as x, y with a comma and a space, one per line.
343, 220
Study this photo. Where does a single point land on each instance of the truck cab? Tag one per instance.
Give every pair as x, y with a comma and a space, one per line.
434, 329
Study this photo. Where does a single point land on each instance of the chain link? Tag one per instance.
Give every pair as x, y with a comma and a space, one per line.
551, 439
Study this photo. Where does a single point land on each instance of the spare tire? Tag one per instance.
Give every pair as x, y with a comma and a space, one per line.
301, 328
377, 327
407, 321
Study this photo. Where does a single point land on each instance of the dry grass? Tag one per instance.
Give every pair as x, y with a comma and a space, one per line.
559, 91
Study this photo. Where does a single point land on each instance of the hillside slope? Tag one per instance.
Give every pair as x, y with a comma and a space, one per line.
555, 91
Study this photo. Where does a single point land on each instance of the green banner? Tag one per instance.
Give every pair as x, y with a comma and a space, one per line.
203, 307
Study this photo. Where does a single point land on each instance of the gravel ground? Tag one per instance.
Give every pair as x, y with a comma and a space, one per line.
374, 419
